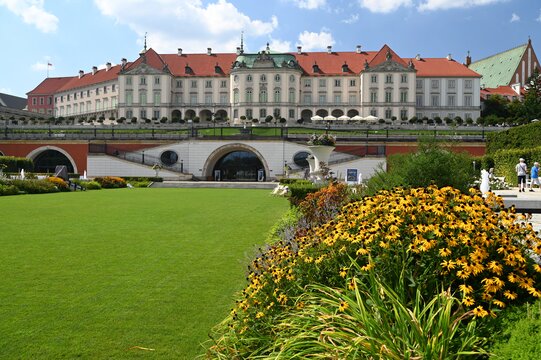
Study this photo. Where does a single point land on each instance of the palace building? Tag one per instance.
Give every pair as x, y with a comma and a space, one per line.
292, 86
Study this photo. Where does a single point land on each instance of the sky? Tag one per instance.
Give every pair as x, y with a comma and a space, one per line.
73, 35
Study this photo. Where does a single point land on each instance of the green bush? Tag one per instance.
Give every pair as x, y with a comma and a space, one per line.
8, 190
520, 137
288, 181
87, 185
34, 186
299, 191
16, 164
505, 161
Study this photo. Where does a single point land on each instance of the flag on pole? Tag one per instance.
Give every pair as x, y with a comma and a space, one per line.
49, 64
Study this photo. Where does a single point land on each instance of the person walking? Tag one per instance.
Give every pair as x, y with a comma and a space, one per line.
521, 170
534, 176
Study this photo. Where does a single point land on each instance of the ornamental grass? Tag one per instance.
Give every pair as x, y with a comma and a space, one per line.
416, 241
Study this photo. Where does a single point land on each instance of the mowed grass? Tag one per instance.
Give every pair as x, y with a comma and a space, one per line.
94, 274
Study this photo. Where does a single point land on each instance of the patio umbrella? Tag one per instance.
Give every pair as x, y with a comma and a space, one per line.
329, 117
371, 118
316, 118
357, 118
344, 118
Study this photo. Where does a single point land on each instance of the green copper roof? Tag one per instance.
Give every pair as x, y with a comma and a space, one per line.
498, 69
280, 60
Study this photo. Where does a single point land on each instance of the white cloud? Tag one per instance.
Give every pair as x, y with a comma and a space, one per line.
278, 46
310, 4
188, 24
453, 4
384, 6
41, 66
315, 41
352, 19
539, 18
33, 13
514, 17
6, 90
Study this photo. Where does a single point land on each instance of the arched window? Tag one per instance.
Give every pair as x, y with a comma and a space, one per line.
249, 97
291, 78
263, 95
277, 78
236, 96
263, 78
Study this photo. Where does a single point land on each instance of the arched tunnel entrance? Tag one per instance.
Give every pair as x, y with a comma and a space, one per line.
47, 160
239, 165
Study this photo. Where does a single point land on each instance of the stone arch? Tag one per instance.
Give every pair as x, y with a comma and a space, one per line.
221, 115
352, 113
189, 114
306, 115
322, 113
36, 152
176, 114
218, 153
205, 115
1, 153
337, 113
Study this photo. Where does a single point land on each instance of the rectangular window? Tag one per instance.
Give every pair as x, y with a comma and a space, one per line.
105, 89
97, 91
68, 97
129, 114
113, 87
50, 100
307, 99
373, 96
352, 99
352, 82
307, 83
129, 97
403, 79
467, 116
208, 84
88, 93
128, 80
277, 96
322, 98
291, 113
193, 99
156, 114
208, 99
262, 113
337, 82
291, 95
249, 113
143, 80
435, 84
435, 100
451, 100
337, 98
74, 98
467, 100
143, 114
419, 100
388, 96
178, 98
223, 84
388, 79
374, 79
194, 84
468, 84
156, 80
322, 83
142, 97
451, 84
388, 113
403, 114
34, 101
374, 112
157, 98
403, 96
223, 98
179, 84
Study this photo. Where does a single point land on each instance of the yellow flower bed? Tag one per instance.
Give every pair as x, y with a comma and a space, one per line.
427, 238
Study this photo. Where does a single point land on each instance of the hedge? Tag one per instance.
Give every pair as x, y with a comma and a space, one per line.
15, 164
506, 160
520, 137
299, 191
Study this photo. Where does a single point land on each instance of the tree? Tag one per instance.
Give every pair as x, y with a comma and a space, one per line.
532, 98
496, 105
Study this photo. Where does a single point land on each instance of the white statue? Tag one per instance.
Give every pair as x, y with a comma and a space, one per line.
485, 185
22, 174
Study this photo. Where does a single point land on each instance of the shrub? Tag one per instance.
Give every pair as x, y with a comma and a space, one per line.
111, 182
91, 185
58, 182
323, 139
15, 164
415, 241
8, 190
34, 186
299, 191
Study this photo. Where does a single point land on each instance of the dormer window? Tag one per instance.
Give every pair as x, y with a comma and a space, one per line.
315, 68
218, 69
345, 68
188, 69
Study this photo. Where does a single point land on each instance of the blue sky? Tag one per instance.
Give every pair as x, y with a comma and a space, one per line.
75, 35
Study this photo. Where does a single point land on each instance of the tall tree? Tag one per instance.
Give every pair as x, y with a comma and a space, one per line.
532, 99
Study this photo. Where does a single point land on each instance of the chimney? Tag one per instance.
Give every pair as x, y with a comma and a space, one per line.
108, 66
94, 70
418, 57
449, 57
359, 49
238, 50
299, 49
209, 51
329, 49
81, 73
468, 59
123, 62
179, 51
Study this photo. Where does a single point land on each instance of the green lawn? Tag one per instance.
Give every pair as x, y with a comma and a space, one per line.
92, 274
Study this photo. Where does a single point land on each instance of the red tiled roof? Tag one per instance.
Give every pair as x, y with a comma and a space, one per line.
201, 64
441, 67
381, 57
500, 90
50, 85
87, 79
331, 64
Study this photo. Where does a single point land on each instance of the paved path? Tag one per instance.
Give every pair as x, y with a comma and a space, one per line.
524, 201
